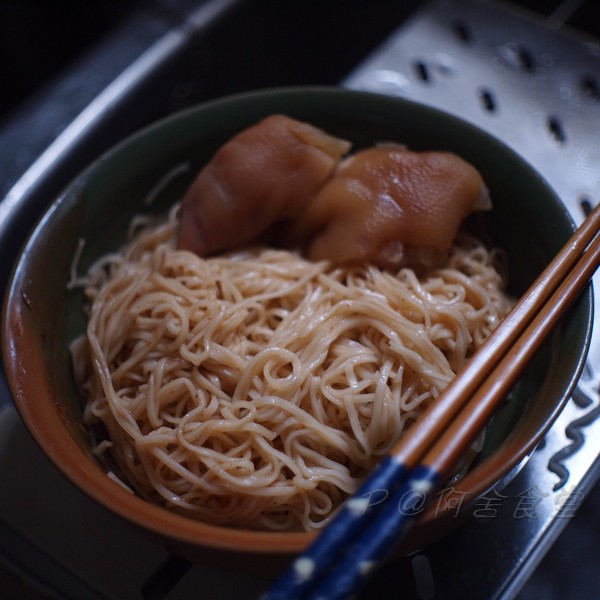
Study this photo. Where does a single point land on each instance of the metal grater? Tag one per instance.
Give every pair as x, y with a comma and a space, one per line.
535, 88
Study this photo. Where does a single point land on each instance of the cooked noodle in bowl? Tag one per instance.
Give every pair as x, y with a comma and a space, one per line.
257, 388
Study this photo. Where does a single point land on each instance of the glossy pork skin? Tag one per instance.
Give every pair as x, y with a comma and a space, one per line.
287, 183
386, 198
265, 174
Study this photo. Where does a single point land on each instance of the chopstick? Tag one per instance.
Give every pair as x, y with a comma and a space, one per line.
374, 520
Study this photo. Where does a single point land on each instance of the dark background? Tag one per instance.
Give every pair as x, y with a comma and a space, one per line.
39, 39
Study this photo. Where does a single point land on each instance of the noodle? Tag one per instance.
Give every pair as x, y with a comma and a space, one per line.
256, 389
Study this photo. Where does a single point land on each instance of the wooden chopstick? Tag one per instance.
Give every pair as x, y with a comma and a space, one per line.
458, 391
374, 543
364, 530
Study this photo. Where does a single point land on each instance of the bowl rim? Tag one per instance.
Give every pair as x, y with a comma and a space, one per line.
94, 482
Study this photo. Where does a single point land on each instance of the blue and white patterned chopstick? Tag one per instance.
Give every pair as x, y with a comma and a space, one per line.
374, 519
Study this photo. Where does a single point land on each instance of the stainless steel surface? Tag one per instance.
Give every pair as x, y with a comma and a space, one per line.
507, 71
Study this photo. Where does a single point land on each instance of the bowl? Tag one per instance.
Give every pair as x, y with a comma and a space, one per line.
41, 316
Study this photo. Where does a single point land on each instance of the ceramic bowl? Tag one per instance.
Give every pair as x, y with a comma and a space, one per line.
41, 316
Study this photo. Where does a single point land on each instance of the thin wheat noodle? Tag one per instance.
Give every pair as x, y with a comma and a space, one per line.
257, 389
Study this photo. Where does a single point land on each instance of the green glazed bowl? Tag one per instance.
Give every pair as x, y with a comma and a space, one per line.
41, 317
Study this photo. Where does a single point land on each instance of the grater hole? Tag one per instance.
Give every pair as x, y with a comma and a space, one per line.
164, 579
518, 56
586, 205
525, 58
422, 71
488, 100
590, 88
462, 31
423, 574
556, 129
